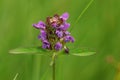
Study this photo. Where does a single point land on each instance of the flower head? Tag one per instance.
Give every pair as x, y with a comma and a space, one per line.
53, 33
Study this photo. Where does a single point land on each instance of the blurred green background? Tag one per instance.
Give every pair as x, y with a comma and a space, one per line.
98, 29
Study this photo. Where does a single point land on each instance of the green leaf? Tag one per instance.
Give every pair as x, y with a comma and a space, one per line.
41, 51
80, 52
84, 54
29, 50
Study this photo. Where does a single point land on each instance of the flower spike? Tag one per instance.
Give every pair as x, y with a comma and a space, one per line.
53, 33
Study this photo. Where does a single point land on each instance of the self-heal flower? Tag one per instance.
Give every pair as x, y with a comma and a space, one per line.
64, 16
46, 45
65, 26
43, 35
66, 33
39, 25
53, 33
59, 33
58, 46
69, 39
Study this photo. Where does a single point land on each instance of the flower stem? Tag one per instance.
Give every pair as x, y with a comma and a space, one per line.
53, 66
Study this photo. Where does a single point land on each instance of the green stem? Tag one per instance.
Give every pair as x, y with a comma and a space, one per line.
53, 66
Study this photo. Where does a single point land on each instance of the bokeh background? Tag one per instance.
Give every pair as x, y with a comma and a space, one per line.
98, 29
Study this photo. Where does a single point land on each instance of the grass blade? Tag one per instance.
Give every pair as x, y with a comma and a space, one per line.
84, 10
15, 76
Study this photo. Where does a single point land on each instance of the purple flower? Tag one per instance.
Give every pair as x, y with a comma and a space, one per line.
65, 26
58, 46
46, 45
39, 25
67, 33
53, 33
64, 16
54, 25
42, 35
69, 39
59, 33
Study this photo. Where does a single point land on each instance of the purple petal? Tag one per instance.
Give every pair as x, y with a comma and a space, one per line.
65, 26
58, 46
39, 37
69, 39
61, 27
59, 33
67, 33
42, 35
64, 16
54, 25
46, 45
39, 25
